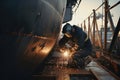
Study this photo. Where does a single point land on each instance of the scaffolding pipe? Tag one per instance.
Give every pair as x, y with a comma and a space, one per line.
115, 36
94, 26
111, 21
88, 26
100, 6
84, 26
114, 5
105, 27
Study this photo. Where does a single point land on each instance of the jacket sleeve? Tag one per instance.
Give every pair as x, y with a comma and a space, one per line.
82, 38
85, 47
63, 41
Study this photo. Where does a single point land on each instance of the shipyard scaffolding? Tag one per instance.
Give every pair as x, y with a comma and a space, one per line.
105, 60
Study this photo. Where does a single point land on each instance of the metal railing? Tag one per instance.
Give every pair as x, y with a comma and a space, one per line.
100, 44
93, 32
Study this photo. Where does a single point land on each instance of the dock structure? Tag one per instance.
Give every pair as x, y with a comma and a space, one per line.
29, 31
105, 63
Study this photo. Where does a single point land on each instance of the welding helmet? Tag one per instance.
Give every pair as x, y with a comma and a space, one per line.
67, 30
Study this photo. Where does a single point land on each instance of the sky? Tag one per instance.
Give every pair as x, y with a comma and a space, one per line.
86, 8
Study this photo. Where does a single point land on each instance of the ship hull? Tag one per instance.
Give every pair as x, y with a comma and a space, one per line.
28, 32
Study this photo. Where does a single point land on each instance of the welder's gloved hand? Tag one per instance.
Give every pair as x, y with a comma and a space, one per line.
79, 61
76, 61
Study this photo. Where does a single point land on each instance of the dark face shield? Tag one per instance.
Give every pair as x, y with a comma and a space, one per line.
67, 30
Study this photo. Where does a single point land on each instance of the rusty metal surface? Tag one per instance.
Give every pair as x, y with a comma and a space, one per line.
28, 31
62, 73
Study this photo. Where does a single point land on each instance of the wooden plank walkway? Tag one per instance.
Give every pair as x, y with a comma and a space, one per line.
99, 72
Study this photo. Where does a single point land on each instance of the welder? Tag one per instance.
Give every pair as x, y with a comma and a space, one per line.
78, 36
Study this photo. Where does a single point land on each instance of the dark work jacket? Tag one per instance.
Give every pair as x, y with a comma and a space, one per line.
80, 38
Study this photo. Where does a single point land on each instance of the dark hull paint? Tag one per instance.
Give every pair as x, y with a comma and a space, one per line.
28, 32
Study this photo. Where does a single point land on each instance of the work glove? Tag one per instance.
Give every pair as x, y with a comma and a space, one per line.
79, 62
76, 62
